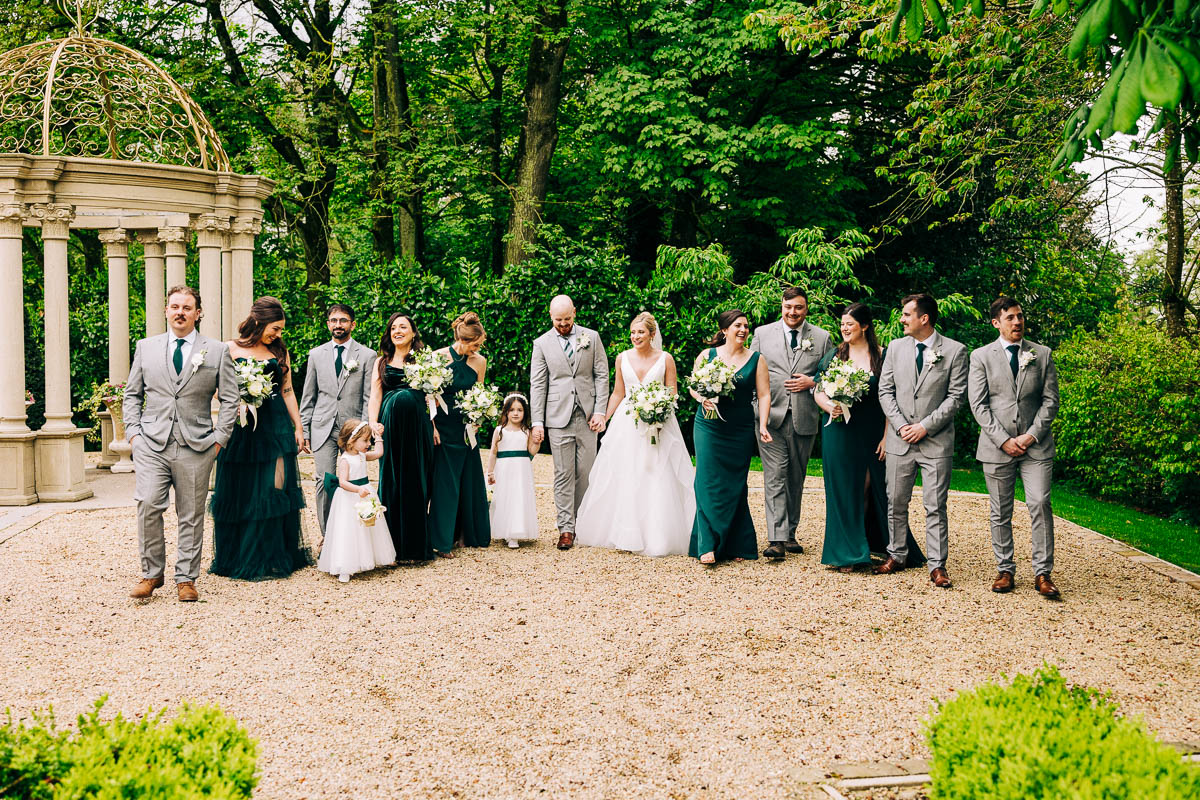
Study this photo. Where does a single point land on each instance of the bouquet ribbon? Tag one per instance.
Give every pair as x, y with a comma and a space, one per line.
845, 404
245, 410
435, 401
652, 429
716, 412
470, 436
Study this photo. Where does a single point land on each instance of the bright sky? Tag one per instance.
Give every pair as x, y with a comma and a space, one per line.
1130, 200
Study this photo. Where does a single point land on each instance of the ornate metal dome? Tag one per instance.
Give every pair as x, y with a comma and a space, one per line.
89, 97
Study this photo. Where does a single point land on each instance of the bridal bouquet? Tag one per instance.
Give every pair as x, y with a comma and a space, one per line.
431, 374
478, 405
254, 387
651, 405
368, 509
711, 380
845, 384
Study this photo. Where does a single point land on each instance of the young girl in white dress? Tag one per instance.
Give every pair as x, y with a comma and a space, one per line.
350, 545
510, 470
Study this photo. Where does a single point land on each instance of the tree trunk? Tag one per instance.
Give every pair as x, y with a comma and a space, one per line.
383, 200
496, 71
1173, 302
539, 132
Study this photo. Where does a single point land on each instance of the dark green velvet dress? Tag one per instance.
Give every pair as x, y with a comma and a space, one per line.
856, 526
723, 525
458, 507
257, 498
406, 469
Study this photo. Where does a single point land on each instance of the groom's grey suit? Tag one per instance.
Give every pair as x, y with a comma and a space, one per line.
793, 422
565, 392
931, 398
328, 400
168, 418
1007, 407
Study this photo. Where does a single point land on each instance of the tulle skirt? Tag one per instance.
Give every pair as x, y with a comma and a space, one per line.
514, 508
350, 546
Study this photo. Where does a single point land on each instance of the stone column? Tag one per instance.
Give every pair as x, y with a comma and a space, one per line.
116, 249
154, 261
175, 241
58, 449
17, 481
243, 231
210, 239
227, 320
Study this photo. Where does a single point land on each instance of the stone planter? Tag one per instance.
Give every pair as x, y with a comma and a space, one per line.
121, 448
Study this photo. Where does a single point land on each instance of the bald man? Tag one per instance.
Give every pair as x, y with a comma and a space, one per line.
568, 387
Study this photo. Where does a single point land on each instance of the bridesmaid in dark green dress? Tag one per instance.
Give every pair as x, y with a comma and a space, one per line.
458, 507
398, 413
723, 528
852, 456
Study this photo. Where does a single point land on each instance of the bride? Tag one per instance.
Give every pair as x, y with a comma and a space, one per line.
640, 495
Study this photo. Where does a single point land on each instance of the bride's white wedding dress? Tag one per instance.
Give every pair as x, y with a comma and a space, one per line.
640, 496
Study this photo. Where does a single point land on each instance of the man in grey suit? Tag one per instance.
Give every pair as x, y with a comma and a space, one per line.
1013, 390
168, 419
922, 385
793, 349
337, 388
568, 386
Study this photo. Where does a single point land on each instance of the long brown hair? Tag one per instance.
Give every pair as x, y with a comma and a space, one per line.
265, 310
387, 348
725, 322
509, 402
862, 315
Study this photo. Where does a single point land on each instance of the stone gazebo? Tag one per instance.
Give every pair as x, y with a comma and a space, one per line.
95, 135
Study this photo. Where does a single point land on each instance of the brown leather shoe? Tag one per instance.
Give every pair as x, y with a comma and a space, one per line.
1046, 587
187, 592
566, 540
146, 588
940, 579
889, 566
1003, 583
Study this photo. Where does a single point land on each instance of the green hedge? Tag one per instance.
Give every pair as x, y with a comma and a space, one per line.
1129, 424
200, 753
1038, 738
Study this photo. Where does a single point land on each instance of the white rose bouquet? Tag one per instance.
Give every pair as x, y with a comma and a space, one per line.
478, 405
711, 380
431, 374
368, 509
651, 405
845, 384
254, 387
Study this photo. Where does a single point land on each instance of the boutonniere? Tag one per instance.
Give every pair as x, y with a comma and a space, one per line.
198, 361
351, 365
934, 356
1026, 358
806, 344
583, 342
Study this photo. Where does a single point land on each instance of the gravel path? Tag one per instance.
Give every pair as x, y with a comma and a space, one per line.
583, 674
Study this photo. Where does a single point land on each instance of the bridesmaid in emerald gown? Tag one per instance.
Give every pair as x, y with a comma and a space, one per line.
723, 528
852, 456
398, 413
458, 506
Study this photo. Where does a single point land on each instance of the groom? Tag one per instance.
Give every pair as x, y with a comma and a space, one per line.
168, 420
568, 381
336, 389
793, 349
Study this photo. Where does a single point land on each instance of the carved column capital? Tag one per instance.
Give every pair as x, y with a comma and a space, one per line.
115, 241
173, 235
55, 219
246, 225
210, 230
12, 218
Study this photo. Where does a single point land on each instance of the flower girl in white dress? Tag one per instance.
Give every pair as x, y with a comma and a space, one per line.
351, 545
640, 496
510, 470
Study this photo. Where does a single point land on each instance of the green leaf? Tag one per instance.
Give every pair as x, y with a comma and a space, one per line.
934, 9
1103, 108
1182, 7
1130, 104
1186, 61
977, 8
1191, 144
1099, 25
898, 20
1162, 80
1079, 37
915, 26
1039, 8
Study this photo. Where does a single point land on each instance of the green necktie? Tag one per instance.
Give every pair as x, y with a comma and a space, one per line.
920, 357
177, 359
337, 362
795, 333
568, 349
1012, 358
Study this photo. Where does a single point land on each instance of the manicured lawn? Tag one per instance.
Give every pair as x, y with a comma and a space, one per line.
1169, 540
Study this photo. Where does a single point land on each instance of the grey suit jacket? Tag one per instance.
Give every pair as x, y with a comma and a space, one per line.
774, 342
329, 400
556, 386
157, 401
931, 399
1007, 407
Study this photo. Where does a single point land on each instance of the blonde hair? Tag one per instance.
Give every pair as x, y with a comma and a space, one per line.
646, 320
346, 435
468, 328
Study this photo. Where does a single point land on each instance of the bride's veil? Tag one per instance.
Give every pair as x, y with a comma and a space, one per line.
656, 341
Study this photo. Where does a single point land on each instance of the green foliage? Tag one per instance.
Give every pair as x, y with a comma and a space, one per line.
1128, 427
1039, 738
199, 753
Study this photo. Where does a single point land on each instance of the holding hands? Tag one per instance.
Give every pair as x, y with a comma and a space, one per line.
799, 383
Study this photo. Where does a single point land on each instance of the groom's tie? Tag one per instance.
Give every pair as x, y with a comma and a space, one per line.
568, 350
795, 333
337, 362
920, 357
177, 359
1012, 358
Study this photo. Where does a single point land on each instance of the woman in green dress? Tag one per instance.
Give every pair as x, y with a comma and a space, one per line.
852, 456
257, 497
458, 507
398, 413
723, 528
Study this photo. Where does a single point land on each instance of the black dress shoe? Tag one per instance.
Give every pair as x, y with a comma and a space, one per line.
775, 551
793, 546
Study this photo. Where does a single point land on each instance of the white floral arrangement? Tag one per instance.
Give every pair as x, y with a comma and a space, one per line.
198, 361
934, 356
582, 342
368, 509
806, 344
845, 384
351, 365
254, 387
711, 380
478, 405
430, 373
1026, 358
651, 405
